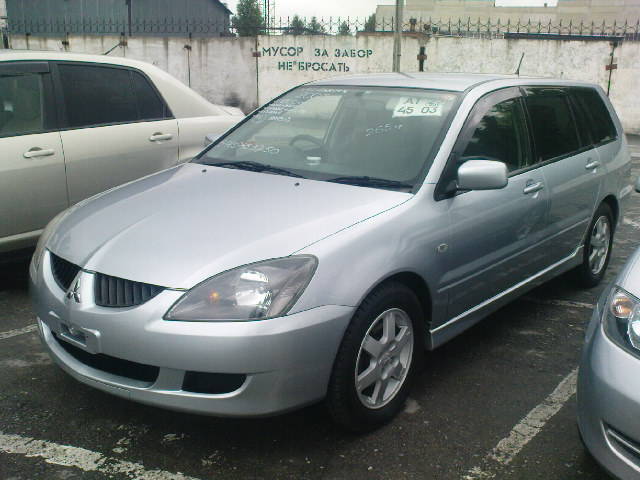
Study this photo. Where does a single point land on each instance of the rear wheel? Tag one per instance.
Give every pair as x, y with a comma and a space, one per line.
597, 248
374, 365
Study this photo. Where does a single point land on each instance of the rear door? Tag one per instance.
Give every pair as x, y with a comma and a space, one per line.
33, 188
571, 166
117, 127
495, 234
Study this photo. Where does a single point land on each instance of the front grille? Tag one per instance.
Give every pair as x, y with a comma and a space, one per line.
117, 292
63, 271
113, 365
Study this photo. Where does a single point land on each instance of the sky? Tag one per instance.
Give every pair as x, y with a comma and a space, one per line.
357, 8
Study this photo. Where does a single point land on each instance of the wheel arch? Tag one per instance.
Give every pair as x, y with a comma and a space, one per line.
612, 201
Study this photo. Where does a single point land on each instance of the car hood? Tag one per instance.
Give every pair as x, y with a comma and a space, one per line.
183, 225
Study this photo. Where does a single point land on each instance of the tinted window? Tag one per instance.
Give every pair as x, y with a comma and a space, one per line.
599, 118
97, 95
501, 135
554, 130
150, 105
21, 104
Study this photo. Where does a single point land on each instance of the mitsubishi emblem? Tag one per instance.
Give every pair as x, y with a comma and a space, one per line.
74, 292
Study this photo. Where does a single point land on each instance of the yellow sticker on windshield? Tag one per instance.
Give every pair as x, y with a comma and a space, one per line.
417, 107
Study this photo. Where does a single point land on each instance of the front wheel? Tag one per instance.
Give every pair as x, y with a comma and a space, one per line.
374, 365
597, 248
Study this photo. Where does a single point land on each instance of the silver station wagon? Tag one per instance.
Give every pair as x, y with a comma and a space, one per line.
316, 249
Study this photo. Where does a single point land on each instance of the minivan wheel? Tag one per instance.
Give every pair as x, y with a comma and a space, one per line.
374, 365
597, 248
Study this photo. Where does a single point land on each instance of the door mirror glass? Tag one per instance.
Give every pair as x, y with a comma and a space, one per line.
638, 185
482, 175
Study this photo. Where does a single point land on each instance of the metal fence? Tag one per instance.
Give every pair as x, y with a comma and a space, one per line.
460, 27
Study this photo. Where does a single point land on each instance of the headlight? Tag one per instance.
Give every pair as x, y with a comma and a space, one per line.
44, 237
622, 320
252, 292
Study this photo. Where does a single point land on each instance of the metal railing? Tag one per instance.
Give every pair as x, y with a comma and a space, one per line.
459, 27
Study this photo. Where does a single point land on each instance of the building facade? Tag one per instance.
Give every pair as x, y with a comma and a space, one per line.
575, 11
128, 17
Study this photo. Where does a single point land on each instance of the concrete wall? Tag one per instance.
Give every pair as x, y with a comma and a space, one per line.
286, 61
3, 13
575, 60
227, 70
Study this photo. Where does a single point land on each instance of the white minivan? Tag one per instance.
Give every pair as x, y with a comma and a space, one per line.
75, 125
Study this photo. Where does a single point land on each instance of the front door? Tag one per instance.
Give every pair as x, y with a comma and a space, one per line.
495, 234
118, 127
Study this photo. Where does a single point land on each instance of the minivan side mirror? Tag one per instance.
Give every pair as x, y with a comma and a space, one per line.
482, 175
638, 185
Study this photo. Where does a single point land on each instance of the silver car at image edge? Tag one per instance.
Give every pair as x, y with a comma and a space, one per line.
609, 377
315, 250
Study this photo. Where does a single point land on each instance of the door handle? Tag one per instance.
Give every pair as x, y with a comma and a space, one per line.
592, 165
533, 187
38, 152
159, 136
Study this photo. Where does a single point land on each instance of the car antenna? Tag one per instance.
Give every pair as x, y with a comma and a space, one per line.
519, 65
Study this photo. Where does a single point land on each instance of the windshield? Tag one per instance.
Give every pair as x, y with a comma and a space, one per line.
379, 137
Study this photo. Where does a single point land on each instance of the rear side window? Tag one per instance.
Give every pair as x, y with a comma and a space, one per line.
552, 123
97, 95
21, 104
591, 104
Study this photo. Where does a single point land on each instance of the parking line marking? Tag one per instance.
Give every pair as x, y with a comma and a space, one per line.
507, 448
81, 458
18, 331
560, 303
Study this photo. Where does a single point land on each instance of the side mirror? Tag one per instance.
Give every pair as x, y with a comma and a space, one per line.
638, 185
210, 138
482, 175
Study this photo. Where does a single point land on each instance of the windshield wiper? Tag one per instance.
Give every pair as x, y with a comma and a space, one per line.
365, 181
254, 167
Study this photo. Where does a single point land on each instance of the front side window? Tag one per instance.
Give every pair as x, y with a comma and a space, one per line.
383, 136
554, 130
99, 95
21, 104
501, 135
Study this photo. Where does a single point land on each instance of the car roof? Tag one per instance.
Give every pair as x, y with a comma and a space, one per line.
17, 55
457, 82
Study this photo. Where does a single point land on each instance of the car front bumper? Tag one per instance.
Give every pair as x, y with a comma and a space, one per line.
609, 402
283, 363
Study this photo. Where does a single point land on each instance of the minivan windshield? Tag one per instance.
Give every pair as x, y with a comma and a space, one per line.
377, 137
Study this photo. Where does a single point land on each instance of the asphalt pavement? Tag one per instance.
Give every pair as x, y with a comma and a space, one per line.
464, 419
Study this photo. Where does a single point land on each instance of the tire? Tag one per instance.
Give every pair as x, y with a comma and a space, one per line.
597, 248
382, 392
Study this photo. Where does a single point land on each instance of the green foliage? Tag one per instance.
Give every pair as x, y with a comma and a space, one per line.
248, 20
314, 27
344, 29
296, 26
370, 24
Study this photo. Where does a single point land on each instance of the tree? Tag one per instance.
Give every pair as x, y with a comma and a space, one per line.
248, 20
370, 24
344, 29
296, 26
315, 27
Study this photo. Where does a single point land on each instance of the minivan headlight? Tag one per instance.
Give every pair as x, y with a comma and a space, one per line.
252, 292
622, 320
